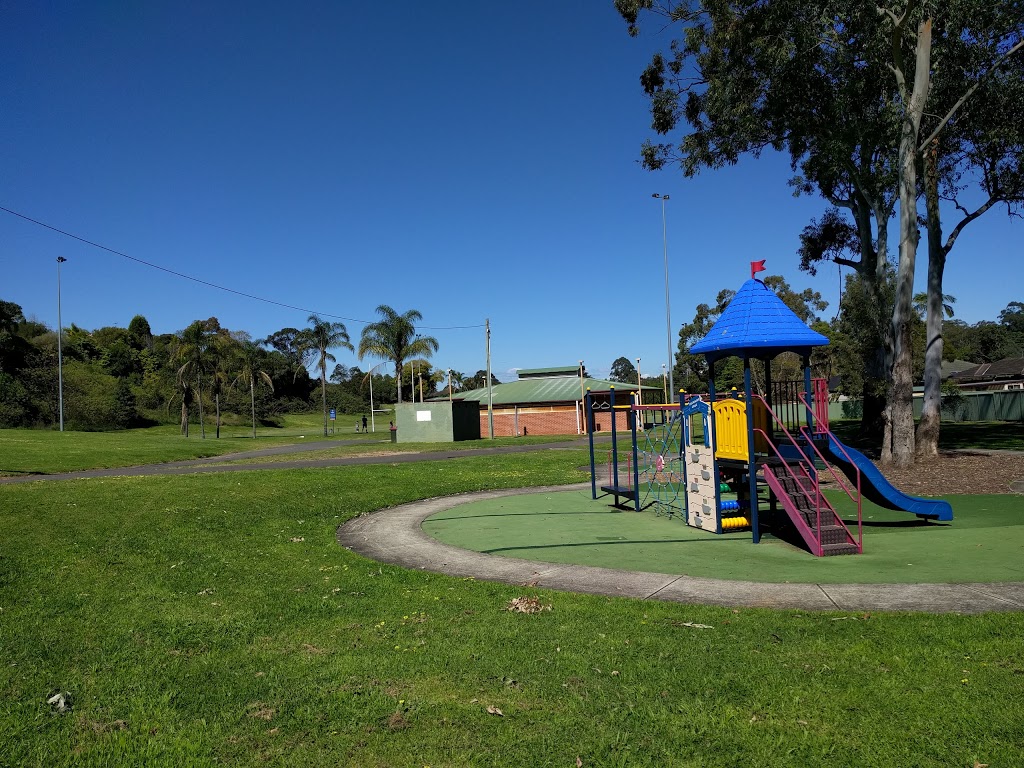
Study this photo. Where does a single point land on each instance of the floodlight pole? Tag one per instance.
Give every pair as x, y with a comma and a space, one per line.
639, 384
60, 352
373, 423
668, 312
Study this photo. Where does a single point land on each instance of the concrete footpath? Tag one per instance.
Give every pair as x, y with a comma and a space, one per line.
395, 536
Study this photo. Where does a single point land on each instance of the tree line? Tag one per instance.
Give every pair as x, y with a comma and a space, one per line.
207, 375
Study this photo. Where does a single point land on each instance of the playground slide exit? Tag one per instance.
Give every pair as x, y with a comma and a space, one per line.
877, 489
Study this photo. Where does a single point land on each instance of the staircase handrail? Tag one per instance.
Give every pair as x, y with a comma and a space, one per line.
851, 462
817, 493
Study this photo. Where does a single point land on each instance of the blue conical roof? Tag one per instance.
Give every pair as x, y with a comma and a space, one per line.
757, 324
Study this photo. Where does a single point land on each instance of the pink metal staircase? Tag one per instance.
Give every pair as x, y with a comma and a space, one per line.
814, 518
792, 478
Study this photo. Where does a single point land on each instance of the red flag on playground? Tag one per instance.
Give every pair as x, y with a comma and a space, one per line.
757, 266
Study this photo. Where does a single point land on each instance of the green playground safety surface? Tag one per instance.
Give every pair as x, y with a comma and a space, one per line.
983, 543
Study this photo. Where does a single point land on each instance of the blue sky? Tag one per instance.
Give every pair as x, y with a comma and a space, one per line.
469, 160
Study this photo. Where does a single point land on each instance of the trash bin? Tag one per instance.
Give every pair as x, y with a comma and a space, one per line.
394, 434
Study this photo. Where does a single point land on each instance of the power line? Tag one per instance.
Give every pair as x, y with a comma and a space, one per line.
208, 283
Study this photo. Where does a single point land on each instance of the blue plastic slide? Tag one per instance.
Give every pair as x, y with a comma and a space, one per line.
876, 489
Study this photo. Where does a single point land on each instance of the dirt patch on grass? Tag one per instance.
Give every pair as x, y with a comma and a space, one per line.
959, 472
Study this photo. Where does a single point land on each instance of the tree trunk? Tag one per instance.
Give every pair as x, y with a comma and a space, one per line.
252, 401
323, 394
199, 393
184, 417
398, 378
931, 412
216, 400
898, 448
875, 356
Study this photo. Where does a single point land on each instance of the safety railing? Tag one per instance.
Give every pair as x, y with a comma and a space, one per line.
812, 477
842, 484
807, 465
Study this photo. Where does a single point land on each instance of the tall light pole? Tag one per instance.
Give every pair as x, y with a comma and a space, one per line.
639, 384
668, 312
664, 382
60, 353
373, 424
449, 385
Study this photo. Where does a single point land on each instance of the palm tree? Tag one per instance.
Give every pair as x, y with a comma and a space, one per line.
316, 340
222, 349
921, 304
249, 360
394, 338
456, 380
191, 353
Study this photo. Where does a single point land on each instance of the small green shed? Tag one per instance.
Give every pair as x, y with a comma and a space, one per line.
437, 421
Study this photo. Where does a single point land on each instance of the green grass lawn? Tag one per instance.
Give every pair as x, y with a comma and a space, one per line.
383, 445
38, 451
213, 619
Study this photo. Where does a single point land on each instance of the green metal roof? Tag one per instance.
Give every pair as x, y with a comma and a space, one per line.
565, 370
554, 389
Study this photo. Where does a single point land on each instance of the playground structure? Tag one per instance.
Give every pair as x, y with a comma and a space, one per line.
748, 461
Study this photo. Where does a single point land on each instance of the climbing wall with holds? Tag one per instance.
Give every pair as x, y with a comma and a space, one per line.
701, 471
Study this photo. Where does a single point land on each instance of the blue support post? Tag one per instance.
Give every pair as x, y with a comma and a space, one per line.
636, 469
751, 460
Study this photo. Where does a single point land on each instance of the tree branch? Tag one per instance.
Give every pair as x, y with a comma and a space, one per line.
948, 245
960, 102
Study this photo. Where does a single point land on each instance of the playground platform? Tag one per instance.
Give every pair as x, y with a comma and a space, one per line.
397, 536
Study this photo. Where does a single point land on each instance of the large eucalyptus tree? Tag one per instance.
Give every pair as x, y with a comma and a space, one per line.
851, 91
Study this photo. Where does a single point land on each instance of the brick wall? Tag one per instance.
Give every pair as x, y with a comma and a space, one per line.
545, 420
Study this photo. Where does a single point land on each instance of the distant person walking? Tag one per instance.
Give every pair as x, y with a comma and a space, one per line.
364, 422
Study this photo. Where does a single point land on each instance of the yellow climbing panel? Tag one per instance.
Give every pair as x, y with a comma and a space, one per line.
731, 429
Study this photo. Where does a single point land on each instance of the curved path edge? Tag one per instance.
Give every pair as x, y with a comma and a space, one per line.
395, 535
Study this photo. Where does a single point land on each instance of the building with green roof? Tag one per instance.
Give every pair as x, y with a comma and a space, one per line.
548, 401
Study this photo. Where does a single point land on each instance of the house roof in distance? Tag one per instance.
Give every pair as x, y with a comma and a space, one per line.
757, 324
1007, 368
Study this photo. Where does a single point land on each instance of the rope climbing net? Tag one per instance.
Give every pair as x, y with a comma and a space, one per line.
660, 465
